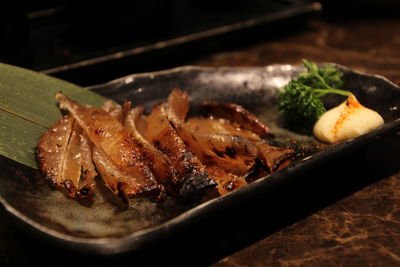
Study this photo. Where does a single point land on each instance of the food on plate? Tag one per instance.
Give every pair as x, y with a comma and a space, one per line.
116, 148
64, 155
159, 163
300, 100
224, 144
348, 120
191, 176
162, 153
300, 103
238, 114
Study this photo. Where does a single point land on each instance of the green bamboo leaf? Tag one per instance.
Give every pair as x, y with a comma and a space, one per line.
28, 106
18, 138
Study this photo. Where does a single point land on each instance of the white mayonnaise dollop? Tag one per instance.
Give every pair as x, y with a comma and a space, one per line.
348, 120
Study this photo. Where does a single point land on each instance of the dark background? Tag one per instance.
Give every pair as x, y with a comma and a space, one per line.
49, 36
45, 35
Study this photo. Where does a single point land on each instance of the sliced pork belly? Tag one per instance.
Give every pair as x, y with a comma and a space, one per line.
221, 126
112, 177
159, 163
231, 153
231, 144
73, 161
226, 181
136, 155
177, 106
274, 158
118, 181
238, 114
65, 158
223, 143
115, 144
88, 173
113, 109
79, 171
212, 141
192, 177
117, 111
51, 150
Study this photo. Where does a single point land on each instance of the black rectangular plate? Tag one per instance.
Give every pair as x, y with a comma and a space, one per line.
105, 225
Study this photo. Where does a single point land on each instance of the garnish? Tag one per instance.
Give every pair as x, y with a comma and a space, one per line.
300, 101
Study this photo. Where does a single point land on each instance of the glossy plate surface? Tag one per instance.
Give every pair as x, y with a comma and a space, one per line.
106, 225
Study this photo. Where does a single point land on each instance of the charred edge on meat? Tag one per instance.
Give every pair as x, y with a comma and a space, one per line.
278, 161
195, 184
48, 175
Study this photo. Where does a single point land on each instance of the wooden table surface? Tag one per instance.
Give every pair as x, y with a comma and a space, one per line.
344, 214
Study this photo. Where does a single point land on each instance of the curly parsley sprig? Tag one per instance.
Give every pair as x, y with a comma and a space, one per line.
300, 101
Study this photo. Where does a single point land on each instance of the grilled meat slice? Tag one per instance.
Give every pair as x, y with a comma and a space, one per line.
232, 153
177, 106
226, 182
88, 173
114, 143
51, 150
159, 163
238, 114
274, 158
223, 143
235, 150
113, 109
221, 126
64, 160
192, 178
117, 111
111, 176
141, 122
244, 151
118, 181
78, 170
135, 154
212, 141
230, 141
71, 172
115, 180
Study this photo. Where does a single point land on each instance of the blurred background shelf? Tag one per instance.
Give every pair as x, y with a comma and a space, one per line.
89, 44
